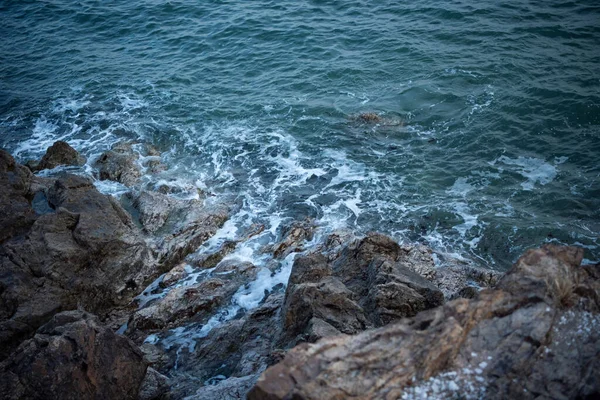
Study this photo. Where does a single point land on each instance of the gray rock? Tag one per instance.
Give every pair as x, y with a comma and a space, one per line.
193, 303
456, 279
236, 351
397, 292
154, 208
190, 225
227, 389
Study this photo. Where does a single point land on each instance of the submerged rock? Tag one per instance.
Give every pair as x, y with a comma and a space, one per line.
369, 117
534, 336
73, 357
60, 153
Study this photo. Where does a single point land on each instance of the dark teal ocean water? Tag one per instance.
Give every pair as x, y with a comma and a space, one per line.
488, 143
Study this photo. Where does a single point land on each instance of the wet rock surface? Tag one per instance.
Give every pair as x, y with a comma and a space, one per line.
244, 347
60, 153
294, 237
65, 246
85, 253
367, 315
512, 342
192, 303
120, 165
73, 357
370, 283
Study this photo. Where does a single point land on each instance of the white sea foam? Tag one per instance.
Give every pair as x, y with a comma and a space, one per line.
151, 293
251, 296
111, 187
537, 171
43, 135
461, 187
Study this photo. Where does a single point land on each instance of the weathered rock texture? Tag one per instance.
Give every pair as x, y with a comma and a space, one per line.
534, 336
73, 357
192, 303
238, 351
120, 165
16, 213
83, 251
178, 227
60, 153
87, 253
370, 282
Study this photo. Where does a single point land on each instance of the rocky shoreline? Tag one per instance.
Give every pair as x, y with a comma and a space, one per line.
109, 298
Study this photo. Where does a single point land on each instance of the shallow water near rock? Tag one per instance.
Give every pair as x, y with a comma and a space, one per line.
486, 145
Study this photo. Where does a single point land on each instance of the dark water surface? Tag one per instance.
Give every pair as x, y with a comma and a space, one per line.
490, 131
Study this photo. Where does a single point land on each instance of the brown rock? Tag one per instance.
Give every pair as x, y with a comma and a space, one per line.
369, 117
73, 357
371, 282
120, 164
328, 300
522, 340
86, 253
60, 153
16, 213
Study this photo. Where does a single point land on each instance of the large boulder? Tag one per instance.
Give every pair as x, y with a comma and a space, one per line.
534, 336
60, 153
73, 357
370, 282
86, 253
